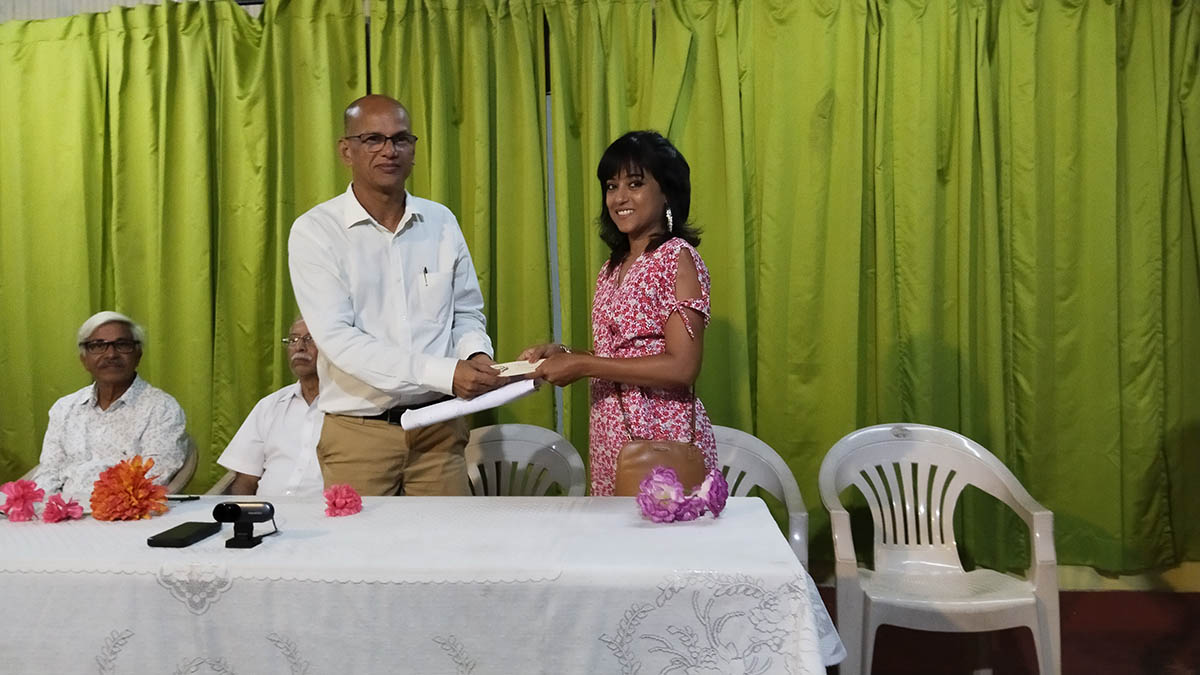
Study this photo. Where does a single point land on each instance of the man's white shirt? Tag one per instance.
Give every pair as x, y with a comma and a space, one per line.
392, 313
82, 440
278, 443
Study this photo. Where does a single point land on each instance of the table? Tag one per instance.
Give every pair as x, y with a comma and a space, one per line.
416, 585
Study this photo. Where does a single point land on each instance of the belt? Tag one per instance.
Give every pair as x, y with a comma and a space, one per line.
392, 415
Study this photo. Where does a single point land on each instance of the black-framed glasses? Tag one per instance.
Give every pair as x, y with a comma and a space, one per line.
94, 347
293, 339
374, 142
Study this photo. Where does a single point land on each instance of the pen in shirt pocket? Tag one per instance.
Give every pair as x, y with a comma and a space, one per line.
425, 275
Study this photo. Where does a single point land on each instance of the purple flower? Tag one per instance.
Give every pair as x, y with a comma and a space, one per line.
662, 498
691, 509
660, 495
713, 492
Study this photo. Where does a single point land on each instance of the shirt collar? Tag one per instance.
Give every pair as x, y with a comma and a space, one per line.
294, 391
128, 398
353, 212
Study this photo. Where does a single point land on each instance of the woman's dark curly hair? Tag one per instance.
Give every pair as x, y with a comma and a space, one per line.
647, 151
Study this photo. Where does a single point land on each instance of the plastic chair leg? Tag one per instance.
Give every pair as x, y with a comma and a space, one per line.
868, 646
850, 614
852, 664
1046, 643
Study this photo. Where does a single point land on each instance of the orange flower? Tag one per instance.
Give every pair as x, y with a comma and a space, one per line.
123, 492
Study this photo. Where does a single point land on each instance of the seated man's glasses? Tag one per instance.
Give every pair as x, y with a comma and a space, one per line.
100, 346
374, 142
294, 339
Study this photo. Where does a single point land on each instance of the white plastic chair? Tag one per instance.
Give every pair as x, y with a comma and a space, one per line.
522, 459
911, 477
183, 476
747, 462
221, 487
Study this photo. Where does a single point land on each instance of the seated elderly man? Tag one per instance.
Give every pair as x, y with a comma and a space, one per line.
275, 450
117, 416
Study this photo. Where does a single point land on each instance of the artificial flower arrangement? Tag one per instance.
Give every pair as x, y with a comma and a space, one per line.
662, 498
124, 492
342, 500
21, 495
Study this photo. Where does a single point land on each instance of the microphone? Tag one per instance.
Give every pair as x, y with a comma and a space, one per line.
243, 512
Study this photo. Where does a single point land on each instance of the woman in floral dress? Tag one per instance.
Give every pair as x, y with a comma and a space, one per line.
649, 311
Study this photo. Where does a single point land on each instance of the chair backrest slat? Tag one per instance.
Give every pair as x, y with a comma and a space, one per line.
522, 459
911, 477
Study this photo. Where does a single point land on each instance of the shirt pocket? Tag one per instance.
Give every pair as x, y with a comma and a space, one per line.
437, 296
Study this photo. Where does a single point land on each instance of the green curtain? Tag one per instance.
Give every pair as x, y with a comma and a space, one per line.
1100, 271
1181, 276
471, 73
808, 98
201, 134
933, 290
600, 63
280, 93
695, 103
53, 183
979, 215
982, 215
972, 214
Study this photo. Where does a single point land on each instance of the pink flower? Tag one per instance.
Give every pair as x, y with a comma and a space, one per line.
660, 495
342, 500
691, 509
22, 495
662, 498
713, 492
56, 510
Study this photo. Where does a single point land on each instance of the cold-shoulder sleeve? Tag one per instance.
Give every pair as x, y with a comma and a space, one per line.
699, 304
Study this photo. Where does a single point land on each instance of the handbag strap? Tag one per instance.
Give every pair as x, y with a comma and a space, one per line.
625, 418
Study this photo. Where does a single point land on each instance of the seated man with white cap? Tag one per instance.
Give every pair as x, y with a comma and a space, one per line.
117, 416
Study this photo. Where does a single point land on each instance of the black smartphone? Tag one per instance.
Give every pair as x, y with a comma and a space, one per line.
184, 534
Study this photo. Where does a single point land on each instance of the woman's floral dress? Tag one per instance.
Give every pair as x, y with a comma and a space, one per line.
630, 320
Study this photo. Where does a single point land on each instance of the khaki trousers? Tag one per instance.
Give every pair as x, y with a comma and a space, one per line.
380, 459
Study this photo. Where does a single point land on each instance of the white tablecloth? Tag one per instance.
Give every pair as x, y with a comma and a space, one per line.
416, 585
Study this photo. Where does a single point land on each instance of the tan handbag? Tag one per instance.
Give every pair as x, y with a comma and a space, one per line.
639, 457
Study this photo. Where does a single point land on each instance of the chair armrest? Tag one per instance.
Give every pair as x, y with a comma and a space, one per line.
221, 487
843, 542
798, 535
1042, 538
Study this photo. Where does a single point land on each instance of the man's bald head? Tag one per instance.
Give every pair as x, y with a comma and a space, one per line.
368, 105
379, 145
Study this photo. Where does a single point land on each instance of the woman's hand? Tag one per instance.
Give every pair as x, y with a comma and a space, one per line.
538, 352
563, 368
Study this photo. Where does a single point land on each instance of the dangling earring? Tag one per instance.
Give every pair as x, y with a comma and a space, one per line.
670, 221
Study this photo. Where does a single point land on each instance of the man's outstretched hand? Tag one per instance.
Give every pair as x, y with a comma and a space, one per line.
476, 376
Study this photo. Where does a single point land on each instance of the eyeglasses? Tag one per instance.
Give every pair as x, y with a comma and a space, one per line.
374, 142
94, 347
293, 339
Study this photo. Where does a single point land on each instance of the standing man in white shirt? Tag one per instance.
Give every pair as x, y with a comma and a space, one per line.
389, 291
117, 416
275, 450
